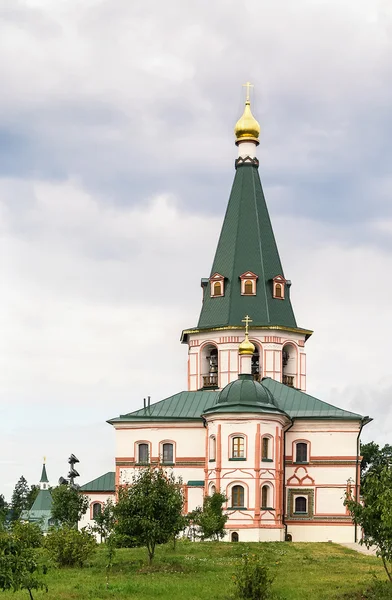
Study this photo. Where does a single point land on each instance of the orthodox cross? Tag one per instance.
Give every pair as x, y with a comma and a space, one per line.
248, 86
247, 320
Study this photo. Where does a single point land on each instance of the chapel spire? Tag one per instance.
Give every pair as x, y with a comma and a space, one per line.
247, 275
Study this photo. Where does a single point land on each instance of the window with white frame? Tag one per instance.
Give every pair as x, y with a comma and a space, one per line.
237, 496
301, 505
237, 447
266, 449
212, 448
167, 453
143, 455
266, 501
97, 509
301, 452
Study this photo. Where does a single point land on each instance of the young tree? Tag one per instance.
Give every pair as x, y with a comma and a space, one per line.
374, 458
19, 498
104, 521
19, 567
68, 505
149, 509
211, 520
374, 514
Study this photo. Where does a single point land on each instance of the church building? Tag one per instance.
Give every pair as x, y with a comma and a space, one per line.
246, 426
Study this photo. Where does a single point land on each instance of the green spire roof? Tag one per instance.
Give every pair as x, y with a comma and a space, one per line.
44, 477
247, 243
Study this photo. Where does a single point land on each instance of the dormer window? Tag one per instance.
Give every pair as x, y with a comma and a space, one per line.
278, 287
217, 283
248, 283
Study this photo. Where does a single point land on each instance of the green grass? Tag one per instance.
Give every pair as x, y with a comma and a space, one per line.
200, 571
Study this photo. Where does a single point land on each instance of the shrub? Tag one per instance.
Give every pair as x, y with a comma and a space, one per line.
69, 547
28, 534
252, 580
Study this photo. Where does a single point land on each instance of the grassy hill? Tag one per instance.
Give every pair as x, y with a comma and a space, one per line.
200, 571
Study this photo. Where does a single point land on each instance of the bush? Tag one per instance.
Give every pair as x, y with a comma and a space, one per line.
252, 580
28, 534
69, 547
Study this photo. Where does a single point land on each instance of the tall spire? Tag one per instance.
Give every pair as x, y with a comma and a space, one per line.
247, 250
44, 477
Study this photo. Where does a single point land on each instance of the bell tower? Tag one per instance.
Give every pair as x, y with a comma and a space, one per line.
246, 278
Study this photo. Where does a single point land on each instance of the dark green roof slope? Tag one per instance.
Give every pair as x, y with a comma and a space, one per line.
246, 243
104, 483
44, 477
190, 406
43, 501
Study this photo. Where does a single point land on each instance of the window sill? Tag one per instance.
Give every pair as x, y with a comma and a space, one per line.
301, 514
236, 508
266, 508
267, 460
301, 462
142, 464
239, 458
212, 460
167, 464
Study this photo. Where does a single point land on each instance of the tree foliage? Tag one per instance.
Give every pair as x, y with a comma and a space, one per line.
3, 511
104, 521
374, 514
19, 499
69, 547
374, 459
149, 510
20, 568
68, 505
31, 495
28, 534
209, 522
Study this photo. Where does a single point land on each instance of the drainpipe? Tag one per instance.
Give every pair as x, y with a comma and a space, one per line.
356, 474
284, 480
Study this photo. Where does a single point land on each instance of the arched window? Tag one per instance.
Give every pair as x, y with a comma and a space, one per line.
248, 287
301, 452
265, 448
217, 288
238, 447
278, 290
143, 453
256, 370
97, 509
289, 365
237, 496
212, 490
167, 453
265, 492
300, 504
235, 537
212, 448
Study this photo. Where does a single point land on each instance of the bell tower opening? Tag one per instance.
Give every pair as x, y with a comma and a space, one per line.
289, 365
256, 367
210, 366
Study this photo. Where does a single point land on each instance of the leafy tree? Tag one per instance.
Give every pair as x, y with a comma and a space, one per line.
19, 498
252, 580
28, 534
19, 566
211, 520
104, 521
69, 547
31, 496
374, 458
3, 511
374, 514
148, 511
68, 505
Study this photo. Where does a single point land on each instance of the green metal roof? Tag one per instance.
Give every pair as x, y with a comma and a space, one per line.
44, 477
246, 243
43, 502
104, 483
190, 406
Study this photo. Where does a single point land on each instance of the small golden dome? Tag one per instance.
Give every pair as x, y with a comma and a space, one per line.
247, 127
246, 347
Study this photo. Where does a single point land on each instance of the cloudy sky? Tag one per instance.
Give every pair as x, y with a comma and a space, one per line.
116, 162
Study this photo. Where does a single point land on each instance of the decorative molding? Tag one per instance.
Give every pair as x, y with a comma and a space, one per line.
246, 160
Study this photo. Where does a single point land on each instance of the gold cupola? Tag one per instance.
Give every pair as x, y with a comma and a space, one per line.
246, 347
247, 128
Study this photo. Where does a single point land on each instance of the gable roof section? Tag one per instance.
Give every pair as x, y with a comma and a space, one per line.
43, 502
190, 406
246, 243
104, 483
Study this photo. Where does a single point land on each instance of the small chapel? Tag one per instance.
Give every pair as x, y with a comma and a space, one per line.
246, 426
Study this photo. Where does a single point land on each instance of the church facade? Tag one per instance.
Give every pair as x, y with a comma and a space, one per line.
246, 426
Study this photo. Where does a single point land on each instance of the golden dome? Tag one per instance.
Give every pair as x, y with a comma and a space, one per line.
246, 347
247, 128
